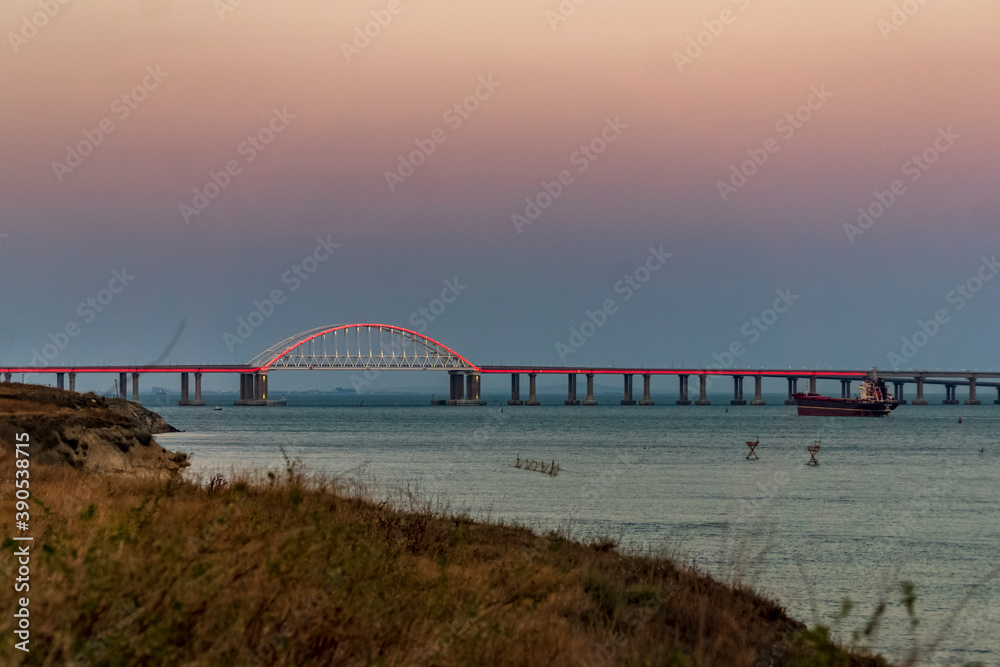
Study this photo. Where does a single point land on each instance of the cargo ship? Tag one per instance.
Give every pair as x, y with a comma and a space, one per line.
873, 401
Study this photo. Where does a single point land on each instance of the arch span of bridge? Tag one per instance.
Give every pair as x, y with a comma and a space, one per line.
374, 347
361, 347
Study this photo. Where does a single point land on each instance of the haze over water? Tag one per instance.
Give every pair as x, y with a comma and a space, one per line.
906, 498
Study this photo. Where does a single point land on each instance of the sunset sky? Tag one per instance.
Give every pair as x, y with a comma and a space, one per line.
670, 101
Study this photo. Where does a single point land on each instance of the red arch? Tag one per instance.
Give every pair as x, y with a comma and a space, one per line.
369, 324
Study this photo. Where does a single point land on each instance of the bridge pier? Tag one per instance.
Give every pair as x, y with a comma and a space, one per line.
627, 398
72, 381
135, 387
737, 391
646, 398
465, 389
898, 388
972, 393
8, 377
472, 389
812, 385
185, 385
253, 391
758, 398
61, 380
920, 400
683, 390
793, 388
996, 402
532, 398
702, 389
590, 390
515, 390
123, 385
845, 388
571, 390
949, 393
457, 388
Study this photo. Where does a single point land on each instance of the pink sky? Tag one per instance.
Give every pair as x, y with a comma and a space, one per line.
609, 59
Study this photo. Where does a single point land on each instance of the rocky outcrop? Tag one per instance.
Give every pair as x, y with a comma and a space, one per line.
153, 422
87, 431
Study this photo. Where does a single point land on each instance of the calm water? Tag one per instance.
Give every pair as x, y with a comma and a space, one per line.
910, 497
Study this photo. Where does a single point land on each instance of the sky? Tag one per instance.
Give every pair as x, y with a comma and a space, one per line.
176, 161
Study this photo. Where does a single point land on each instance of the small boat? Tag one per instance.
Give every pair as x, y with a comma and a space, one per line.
217, 408
873, 401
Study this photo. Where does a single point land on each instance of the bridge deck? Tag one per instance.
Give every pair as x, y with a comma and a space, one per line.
930, 377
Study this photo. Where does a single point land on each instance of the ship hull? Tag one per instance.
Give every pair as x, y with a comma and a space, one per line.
811, 405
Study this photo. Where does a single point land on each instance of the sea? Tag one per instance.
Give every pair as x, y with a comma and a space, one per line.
911, 499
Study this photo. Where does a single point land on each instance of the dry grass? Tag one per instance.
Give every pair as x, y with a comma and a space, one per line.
265, 569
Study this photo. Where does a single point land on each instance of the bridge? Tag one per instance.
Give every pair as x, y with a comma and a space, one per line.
368, 347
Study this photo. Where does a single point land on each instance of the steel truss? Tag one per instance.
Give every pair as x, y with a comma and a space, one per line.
361, 347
